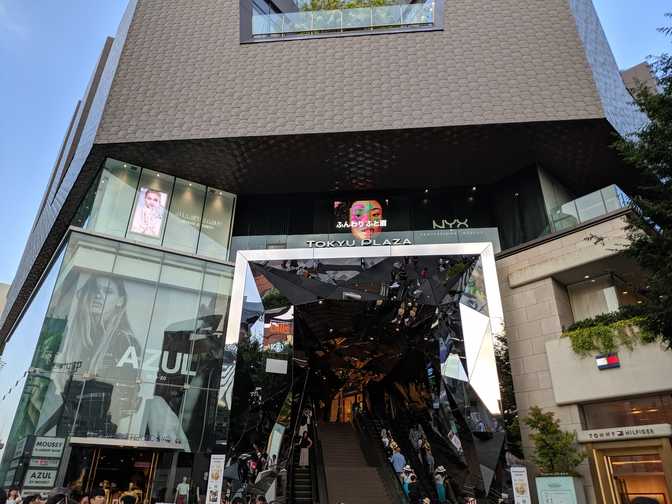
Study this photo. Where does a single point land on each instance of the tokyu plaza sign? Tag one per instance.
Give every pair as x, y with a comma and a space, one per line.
625, 433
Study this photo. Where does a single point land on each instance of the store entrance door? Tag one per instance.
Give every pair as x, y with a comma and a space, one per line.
635, 472
126, 475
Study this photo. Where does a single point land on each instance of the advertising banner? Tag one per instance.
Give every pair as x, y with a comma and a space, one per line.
48, 447
40, 478
215, 478
559, 490
521, 486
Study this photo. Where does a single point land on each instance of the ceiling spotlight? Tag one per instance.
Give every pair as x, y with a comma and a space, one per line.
473, 188
625, 293
125, 165
331, 329
189, 184
158, 175
639, 301
516, 195
426, 190
320, 301
586, 277
470, 198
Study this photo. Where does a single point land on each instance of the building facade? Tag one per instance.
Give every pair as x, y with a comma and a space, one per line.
329, 138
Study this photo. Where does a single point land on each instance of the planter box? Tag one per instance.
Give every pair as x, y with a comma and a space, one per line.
560, 490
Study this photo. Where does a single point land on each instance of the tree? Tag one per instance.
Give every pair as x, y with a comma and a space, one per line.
649, 152
509, 407
556, 451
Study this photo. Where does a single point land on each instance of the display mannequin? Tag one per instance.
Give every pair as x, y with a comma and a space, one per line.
131, 496
182, 493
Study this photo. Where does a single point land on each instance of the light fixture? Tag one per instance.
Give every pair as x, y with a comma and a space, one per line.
320, 301
639, 301
158, 175
474, 188
652, 410
516, 194
220, 193
470, 198
625, 293
586, 277
189, 184
125, 165
426, 190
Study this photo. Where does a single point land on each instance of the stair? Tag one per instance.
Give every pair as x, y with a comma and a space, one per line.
349, 478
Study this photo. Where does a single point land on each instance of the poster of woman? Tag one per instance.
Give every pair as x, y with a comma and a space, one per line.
149, 212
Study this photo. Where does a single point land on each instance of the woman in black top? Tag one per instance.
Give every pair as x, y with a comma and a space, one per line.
305, 443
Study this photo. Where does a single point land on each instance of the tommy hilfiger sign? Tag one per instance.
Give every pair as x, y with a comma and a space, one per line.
623, 433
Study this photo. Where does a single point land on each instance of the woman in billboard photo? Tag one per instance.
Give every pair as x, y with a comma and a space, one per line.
95, 375
149, 212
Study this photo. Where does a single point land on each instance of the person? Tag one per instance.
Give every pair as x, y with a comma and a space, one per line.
440, 483
148, 217
406, 478
14, 497
98, 339
413, 490
398, 462
261, 499
384, 438
429, 459
305, 443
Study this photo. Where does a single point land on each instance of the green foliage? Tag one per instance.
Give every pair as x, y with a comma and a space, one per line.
275, 299
317, 5
509, 407
609, 332
649, 152
556, 451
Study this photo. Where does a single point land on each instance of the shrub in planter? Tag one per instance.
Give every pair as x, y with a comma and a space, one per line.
556, 451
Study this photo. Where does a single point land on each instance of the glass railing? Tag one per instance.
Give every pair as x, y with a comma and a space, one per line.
342, 20
590, 206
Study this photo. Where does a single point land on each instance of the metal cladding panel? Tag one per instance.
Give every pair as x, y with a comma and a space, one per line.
184, 74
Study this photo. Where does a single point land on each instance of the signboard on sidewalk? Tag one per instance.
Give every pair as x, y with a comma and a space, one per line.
40, 478
215, 475
521, 485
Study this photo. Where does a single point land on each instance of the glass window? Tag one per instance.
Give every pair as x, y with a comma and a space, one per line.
593, 297
131, 347
631, 412
590, 206
152, 200
114, 198
184, 218
216, 226
18, 356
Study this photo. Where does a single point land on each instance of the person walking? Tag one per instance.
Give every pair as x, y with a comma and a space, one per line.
440, 483
398, 462
413, 490
304, 444
429, 459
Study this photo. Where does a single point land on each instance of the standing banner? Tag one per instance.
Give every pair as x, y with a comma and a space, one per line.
215, 478
521, 486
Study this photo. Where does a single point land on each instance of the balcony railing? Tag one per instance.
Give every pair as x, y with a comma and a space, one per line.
590, 206
343, 20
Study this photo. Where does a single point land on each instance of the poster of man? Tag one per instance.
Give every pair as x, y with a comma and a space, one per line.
149, 212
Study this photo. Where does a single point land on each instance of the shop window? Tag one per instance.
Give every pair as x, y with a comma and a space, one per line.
152, 200
216, 227
114, 198
131, 347
151, 207
184, 218
631, 412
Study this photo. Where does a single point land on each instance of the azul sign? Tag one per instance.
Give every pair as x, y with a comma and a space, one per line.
369, 242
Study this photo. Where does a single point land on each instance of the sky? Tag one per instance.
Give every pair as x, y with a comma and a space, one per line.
49, 48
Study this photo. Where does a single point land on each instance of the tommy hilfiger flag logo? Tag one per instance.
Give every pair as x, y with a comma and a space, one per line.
608, 361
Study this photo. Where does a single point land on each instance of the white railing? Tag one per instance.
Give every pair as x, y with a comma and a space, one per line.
342, 20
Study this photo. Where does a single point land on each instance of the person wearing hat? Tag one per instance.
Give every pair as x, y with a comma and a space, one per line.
440, 483
406, 478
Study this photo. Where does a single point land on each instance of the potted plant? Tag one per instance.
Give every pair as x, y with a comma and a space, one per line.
557, 456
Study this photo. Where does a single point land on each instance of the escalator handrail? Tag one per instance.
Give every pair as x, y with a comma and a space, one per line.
317, 469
